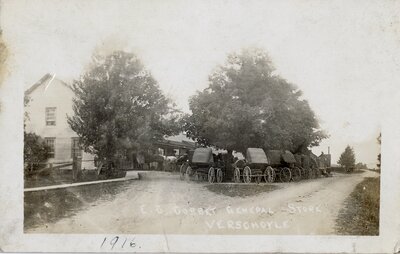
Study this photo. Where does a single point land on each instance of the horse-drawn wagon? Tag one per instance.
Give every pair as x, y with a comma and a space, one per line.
284, 165
183, 162
306, 165
313, 166
203, 165
254, 166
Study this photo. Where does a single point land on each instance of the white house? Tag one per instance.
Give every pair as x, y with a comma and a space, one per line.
50, 103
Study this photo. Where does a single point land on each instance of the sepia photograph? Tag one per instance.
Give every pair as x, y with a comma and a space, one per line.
220, 119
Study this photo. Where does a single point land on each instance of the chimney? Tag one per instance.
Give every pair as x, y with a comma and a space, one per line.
329, 150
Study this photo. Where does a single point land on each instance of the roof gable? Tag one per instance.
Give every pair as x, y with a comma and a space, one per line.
44, 80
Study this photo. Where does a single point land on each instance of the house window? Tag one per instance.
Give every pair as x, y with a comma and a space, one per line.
50, 116
75, 148
51, 143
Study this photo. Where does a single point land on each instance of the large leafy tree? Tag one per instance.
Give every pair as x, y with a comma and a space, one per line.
119, 107
347, 158
247, 105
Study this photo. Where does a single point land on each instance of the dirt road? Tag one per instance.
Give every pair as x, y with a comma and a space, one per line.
161, 203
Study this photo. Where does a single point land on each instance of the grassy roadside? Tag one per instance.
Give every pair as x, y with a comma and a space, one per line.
49, 206
343, 170
360, 216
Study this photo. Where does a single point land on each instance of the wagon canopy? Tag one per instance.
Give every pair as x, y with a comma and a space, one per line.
256, 156
274, 157
288, 157
298, 160
202, 155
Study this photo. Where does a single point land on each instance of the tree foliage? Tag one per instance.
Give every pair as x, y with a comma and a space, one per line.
119, 107
347, 158
361, 165
247, 105
36, 151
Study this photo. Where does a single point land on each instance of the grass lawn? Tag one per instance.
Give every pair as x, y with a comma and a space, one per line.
360, 216
49, 206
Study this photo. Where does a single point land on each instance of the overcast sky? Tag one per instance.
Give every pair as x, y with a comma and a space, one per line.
340, 53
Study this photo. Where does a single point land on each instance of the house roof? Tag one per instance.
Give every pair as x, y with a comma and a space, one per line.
46, 78
177, 144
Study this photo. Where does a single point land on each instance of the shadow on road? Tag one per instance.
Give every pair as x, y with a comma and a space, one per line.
240, 190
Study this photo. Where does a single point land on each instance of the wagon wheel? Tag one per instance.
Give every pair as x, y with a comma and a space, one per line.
211, 175
220, 175
285, 175
189, 172
182, 171
296, 176
247, 174
236, 175
269, 175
